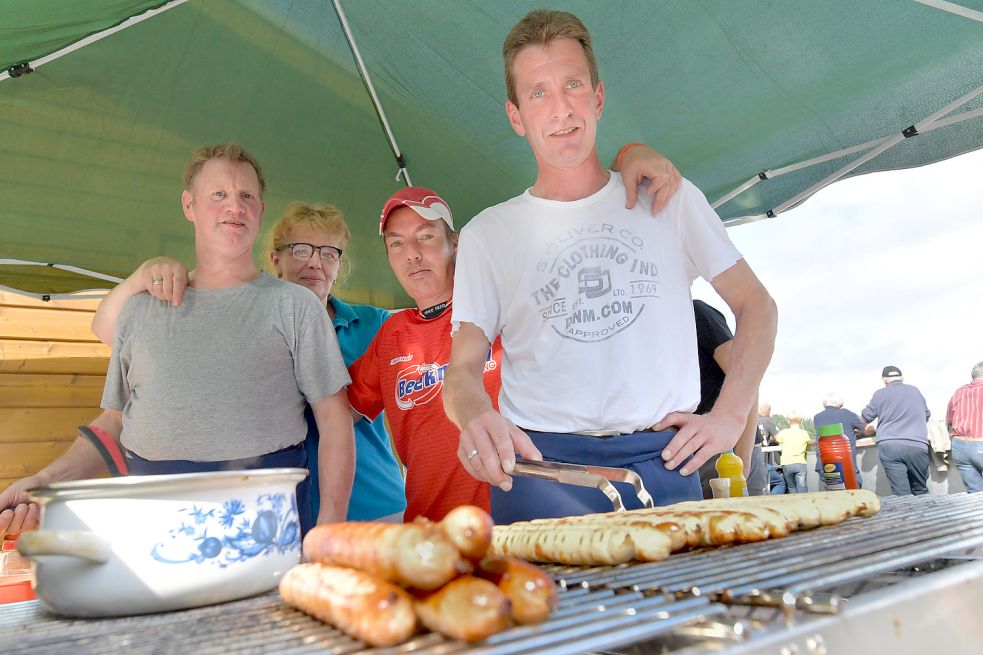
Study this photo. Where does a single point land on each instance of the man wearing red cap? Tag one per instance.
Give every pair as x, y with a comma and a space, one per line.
402, 371
592, 305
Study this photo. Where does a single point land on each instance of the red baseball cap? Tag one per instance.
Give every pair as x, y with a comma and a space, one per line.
423, 201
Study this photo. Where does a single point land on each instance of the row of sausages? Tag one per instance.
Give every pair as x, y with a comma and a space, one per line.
377, 581
651, 535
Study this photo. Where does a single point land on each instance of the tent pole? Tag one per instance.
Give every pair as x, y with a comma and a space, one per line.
953, 8
63, 267
86, 293
92, 38
928, 124
380, 112
892, 141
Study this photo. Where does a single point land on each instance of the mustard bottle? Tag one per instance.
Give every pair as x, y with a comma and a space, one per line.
730, 466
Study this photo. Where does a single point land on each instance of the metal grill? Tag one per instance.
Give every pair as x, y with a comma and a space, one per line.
790, 571
693, 598
585, 620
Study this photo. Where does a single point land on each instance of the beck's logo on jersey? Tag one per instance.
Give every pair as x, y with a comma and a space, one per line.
420, 383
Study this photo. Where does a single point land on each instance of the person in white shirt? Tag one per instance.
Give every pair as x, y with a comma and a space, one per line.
592, 303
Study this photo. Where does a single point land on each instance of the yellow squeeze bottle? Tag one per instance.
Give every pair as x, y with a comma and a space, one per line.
730, 466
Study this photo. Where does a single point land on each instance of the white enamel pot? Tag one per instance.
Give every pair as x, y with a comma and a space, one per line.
141, 544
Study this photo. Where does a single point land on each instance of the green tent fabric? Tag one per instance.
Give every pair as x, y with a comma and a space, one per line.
92, 144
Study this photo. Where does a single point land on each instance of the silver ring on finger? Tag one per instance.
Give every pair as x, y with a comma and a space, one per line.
156, 281
474, 451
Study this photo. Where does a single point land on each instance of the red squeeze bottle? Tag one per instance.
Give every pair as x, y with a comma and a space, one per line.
837, 458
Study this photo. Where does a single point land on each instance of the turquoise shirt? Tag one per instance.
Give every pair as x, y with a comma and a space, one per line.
378, 489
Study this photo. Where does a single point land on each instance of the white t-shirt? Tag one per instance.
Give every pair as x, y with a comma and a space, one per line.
592, 302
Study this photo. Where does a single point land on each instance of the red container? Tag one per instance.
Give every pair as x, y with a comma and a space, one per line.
15, 575
837, 457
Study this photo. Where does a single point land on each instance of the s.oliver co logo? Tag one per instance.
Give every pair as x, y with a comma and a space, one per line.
596, 283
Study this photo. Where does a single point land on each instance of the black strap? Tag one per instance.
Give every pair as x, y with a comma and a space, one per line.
433, 312
103, 451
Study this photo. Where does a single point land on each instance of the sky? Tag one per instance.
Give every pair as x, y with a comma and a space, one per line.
879, 269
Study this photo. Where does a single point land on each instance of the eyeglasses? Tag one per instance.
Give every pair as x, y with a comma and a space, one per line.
303, 251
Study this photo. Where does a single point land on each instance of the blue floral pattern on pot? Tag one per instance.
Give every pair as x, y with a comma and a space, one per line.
231, 534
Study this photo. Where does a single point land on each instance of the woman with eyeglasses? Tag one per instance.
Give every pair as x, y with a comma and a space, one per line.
306, 246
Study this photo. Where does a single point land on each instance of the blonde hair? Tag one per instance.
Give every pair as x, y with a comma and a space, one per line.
540, 28
321, 217
232, 152
794, 417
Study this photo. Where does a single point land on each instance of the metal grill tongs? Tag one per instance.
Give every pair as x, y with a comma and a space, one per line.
583, 475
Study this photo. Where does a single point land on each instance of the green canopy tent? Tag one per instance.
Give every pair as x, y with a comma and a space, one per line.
760, 103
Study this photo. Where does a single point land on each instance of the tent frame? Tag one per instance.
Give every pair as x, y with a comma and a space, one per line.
872, 149
30, 66
74, 295
875, 147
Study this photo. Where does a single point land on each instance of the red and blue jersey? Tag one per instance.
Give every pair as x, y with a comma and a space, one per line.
402, 372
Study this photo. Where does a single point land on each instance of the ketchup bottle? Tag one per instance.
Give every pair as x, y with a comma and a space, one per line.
837, 458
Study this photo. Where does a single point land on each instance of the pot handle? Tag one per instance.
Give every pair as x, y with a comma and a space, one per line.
70, 543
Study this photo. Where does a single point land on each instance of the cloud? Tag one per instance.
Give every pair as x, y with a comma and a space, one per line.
878, 269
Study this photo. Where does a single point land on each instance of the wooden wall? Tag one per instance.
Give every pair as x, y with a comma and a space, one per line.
52, 370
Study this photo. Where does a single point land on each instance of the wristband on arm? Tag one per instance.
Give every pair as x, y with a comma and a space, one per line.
108, 449
621, 153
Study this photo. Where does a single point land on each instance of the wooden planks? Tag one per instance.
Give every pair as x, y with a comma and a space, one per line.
31, 457
20, 390
44, 324
61, 357
52, 371
31, 424
11, 299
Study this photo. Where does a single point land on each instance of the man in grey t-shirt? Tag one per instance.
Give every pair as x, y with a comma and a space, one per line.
221, 381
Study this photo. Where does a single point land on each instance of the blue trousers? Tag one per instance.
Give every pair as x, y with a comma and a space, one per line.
290, 457
640, 452
795, 478
776, 481
967, 455
906, 466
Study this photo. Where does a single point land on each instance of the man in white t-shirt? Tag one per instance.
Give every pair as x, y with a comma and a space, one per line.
592, 303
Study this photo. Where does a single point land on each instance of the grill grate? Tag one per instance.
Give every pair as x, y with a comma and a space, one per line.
600, 608
907, 531
585, 619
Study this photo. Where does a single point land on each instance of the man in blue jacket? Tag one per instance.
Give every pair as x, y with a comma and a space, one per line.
902, 433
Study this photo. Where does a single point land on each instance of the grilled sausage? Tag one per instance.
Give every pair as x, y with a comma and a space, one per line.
574, 544
468, 608
680, 537
778, 523
866, 501
364, 606
803, 511
697, 528
412, 555
531, 592
470, 529
717, 528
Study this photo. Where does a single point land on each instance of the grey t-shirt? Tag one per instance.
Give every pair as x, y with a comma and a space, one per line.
223, 376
